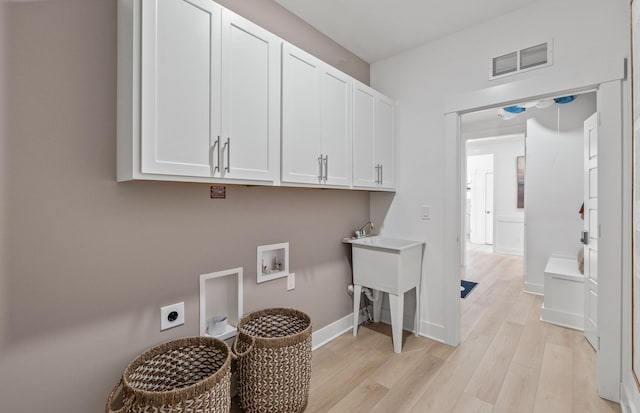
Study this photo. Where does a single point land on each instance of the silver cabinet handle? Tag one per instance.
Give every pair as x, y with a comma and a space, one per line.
216, 144
320, 159
326, 168
381, 175
228, 146
378, 173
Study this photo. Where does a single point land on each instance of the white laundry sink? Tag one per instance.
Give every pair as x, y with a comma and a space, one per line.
389, 265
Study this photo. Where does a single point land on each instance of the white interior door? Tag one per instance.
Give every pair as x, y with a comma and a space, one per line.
591, 230
488, 208
479, 166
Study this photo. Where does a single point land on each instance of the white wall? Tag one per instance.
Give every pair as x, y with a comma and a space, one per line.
508, 218
587, 35
554, 182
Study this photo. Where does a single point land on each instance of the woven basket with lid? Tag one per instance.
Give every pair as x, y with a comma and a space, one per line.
190, 375
274, 361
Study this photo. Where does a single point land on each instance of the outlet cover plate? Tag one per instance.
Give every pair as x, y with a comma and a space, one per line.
291, 281
165, 323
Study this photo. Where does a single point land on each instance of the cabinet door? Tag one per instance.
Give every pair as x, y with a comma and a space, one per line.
336, 128
301, 147
364, 169
250, 100
180, 85
384, 140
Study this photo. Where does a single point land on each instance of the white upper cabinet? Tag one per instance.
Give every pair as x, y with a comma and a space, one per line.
209, 94
250, 132
205, 95
180, 84
384, 140
316, 121
337, 129
301, 120
364, 167
373, 139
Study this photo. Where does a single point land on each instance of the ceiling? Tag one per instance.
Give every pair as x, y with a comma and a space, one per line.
376, 29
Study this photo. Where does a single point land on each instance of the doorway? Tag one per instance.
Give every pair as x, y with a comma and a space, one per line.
610, 145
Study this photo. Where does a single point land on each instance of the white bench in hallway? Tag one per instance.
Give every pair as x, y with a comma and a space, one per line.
563, 293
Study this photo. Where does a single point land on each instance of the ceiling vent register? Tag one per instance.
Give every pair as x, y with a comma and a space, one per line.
533, 57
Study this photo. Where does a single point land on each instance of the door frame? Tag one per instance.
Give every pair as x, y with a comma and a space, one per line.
614, 179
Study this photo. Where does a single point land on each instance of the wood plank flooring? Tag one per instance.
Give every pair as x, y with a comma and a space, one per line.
508, 361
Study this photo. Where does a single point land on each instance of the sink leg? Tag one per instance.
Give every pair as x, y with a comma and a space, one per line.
377, 307
357, 292
396, 304
417, 315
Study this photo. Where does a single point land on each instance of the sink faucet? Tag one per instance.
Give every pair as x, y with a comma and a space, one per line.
361, 232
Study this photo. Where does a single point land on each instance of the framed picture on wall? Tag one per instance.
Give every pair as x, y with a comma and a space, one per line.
520, 168
635, 279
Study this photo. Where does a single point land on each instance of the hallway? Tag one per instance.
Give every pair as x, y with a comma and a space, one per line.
508, 360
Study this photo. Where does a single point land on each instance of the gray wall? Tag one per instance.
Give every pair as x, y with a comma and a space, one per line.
86, 262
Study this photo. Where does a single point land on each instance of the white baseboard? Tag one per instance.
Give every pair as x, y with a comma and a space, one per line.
628, 403
537, 289
432, 331
563, 319
509, 251
328, 333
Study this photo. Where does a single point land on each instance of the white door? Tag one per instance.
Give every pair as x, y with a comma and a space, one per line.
591, 230
479, 167
364, 169
301, 120
488, 209
180, 86
384, 140
250, 101
337, 130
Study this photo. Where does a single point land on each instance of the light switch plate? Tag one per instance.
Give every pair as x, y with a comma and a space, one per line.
291, 281
425, 212
171, 316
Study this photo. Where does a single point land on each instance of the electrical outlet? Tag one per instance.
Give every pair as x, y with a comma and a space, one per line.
291, 281
171, 316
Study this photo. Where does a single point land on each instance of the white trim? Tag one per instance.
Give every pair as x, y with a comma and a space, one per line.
606, 79
562, 318
509, 251
432, 331
537, 289
537, 87
627, 403
330, 332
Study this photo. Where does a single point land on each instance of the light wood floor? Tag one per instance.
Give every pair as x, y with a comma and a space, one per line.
508, 361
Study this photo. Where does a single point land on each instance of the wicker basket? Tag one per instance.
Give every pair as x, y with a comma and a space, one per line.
274, 361
190, 375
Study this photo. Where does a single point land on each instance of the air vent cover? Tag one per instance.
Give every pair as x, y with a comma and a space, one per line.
505, 64
532, 57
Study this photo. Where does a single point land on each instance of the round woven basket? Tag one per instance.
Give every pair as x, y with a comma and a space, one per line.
190, 375
273, 347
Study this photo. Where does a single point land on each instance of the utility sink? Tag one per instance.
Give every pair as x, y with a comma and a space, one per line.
389, 265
